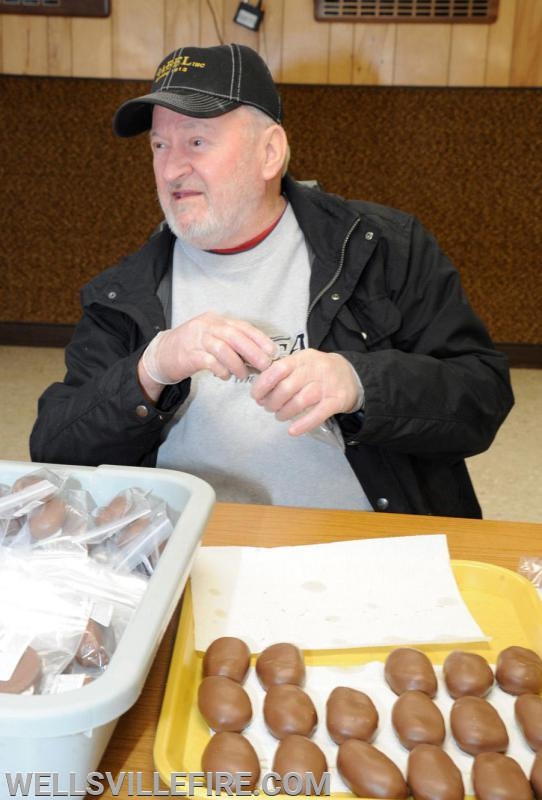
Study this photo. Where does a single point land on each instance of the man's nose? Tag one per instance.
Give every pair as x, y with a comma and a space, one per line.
177, 166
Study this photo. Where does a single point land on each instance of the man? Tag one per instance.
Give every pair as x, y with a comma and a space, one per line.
286, 345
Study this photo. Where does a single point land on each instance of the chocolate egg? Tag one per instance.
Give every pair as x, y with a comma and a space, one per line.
528, 711
466, 673
288, 709
519, 671
407, 668
48, 518
477, 726
350, 714
432, 775
368, 772
499, 777
304, 763
224, 704
132, 530
92, 650
116, 509
28, 480
227, 656
417, 720
26, 674
536, 776
280, 663
232, 754
24, 481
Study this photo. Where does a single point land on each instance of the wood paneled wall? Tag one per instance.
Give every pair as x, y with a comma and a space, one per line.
131, 42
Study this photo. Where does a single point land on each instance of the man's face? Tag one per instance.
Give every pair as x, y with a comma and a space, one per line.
207, 176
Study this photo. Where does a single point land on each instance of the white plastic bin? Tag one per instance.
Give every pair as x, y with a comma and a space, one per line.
66, 734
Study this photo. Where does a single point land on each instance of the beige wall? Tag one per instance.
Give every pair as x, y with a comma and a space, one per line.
131, 42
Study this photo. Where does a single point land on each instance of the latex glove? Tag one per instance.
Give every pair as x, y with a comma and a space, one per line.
309, 383
211, 342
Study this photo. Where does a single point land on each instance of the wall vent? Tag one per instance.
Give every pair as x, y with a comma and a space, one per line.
65, 8
484, 11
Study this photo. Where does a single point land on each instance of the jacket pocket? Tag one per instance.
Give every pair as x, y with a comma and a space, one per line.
377, 320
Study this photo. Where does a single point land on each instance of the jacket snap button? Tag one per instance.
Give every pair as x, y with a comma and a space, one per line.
382, 503
369, 235
363, 335
335, 296
142, 411
111, 295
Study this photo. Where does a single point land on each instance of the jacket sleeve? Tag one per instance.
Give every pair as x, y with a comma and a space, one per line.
435, 386
98, 414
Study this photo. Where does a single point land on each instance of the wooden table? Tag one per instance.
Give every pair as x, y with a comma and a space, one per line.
500, 543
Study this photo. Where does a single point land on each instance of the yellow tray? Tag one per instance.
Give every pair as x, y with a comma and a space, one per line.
505, 605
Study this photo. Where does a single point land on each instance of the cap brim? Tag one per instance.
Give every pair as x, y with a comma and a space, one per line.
135, 116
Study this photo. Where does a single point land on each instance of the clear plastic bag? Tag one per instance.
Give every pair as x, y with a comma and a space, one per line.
137, 543
9, 529
531, 568
21, 667
124, 509
328, 432
27, 493
96, 646
38, 612
64, 515
72, 576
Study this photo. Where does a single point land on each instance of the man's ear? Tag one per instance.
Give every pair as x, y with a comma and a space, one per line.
276, 151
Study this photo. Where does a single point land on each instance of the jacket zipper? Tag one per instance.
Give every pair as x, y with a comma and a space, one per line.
339, 268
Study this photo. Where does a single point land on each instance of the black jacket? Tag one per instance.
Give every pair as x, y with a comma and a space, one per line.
382, 294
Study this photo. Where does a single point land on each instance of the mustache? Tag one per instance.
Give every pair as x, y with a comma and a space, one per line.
181, 186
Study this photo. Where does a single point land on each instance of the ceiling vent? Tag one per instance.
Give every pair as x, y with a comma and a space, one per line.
484, 11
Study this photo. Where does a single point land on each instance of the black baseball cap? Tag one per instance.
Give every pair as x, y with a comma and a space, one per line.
203, 82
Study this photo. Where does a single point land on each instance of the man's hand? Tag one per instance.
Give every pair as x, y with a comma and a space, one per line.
311, 383
211, 342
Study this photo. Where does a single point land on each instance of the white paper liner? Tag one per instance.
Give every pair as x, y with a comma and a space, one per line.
361, 593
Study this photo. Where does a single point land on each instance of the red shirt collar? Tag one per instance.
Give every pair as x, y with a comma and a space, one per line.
248, 245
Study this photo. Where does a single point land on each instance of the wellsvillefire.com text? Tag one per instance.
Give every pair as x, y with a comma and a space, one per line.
181, 784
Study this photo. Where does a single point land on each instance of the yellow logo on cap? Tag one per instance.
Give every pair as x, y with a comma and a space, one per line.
178, 64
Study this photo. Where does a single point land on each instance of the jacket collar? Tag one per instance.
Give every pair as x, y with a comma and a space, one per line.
325, 219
